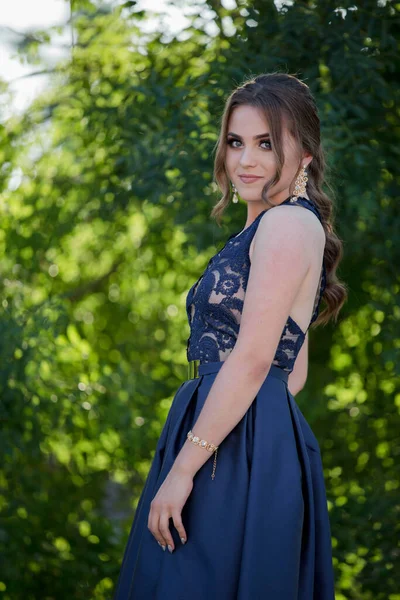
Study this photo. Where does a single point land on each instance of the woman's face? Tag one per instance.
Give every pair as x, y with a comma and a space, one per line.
249, 153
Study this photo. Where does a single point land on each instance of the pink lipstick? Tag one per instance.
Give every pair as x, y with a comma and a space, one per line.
249, 178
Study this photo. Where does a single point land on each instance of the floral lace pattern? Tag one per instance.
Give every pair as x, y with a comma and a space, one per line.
214, 303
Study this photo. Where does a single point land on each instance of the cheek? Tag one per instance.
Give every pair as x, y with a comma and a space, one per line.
230, 161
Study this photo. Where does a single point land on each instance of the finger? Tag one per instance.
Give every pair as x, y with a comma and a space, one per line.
152, 524
165, 531
177, 518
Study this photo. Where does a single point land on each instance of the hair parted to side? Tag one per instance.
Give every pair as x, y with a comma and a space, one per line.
284, 99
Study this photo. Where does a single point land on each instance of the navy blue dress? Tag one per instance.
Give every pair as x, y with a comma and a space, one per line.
260, 530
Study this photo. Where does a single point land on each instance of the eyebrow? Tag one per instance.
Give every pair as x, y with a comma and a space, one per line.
256, 137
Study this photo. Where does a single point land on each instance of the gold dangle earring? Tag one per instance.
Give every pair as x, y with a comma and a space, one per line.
299, 185
235, 198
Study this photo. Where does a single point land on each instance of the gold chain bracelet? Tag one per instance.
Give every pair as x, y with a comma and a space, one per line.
207, 445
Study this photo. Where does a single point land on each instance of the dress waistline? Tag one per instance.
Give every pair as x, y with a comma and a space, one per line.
197, 369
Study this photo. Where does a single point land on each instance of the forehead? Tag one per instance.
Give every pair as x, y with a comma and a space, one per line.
248, 121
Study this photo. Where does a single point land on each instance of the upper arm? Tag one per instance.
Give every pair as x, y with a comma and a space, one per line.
282, 255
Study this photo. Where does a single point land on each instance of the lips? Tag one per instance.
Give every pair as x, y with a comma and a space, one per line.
249, 178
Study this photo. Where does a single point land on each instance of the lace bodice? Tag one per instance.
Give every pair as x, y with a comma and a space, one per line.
214, 303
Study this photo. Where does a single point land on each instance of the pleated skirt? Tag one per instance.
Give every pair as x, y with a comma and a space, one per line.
260, 530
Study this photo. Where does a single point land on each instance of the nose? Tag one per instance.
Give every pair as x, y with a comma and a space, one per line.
246, 158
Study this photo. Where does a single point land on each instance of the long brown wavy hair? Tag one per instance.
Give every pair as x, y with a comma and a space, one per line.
284, 98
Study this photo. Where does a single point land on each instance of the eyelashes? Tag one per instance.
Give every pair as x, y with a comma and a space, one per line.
231, 140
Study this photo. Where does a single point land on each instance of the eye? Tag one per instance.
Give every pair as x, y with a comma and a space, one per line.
231, 141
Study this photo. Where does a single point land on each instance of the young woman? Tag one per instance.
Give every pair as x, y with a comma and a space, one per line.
257, 527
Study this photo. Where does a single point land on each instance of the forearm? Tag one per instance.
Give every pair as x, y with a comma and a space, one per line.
233, 391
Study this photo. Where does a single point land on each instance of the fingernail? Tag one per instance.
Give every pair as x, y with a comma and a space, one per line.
170, 548
183, 540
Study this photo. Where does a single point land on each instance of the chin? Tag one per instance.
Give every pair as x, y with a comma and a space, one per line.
250, 194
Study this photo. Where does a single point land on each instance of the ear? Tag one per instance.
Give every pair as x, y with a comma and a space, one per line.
308, 156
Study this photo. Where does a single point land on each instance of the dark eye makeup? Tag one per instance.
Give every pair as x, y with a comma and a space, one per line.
230, 141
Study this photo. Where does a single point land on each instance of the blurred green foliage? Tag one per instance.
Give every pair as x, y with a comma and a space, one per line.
106, 191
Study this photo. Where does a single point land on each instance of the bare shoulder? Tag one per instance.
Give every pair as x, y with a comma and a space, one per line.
293, 227
291, 217
295, 224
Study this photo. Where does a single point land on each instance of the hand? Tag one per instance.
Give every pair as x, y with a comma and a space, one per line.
169, 502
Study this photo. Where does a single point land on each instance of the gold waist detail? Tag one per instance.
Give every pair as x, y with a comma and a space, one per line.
193, 368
